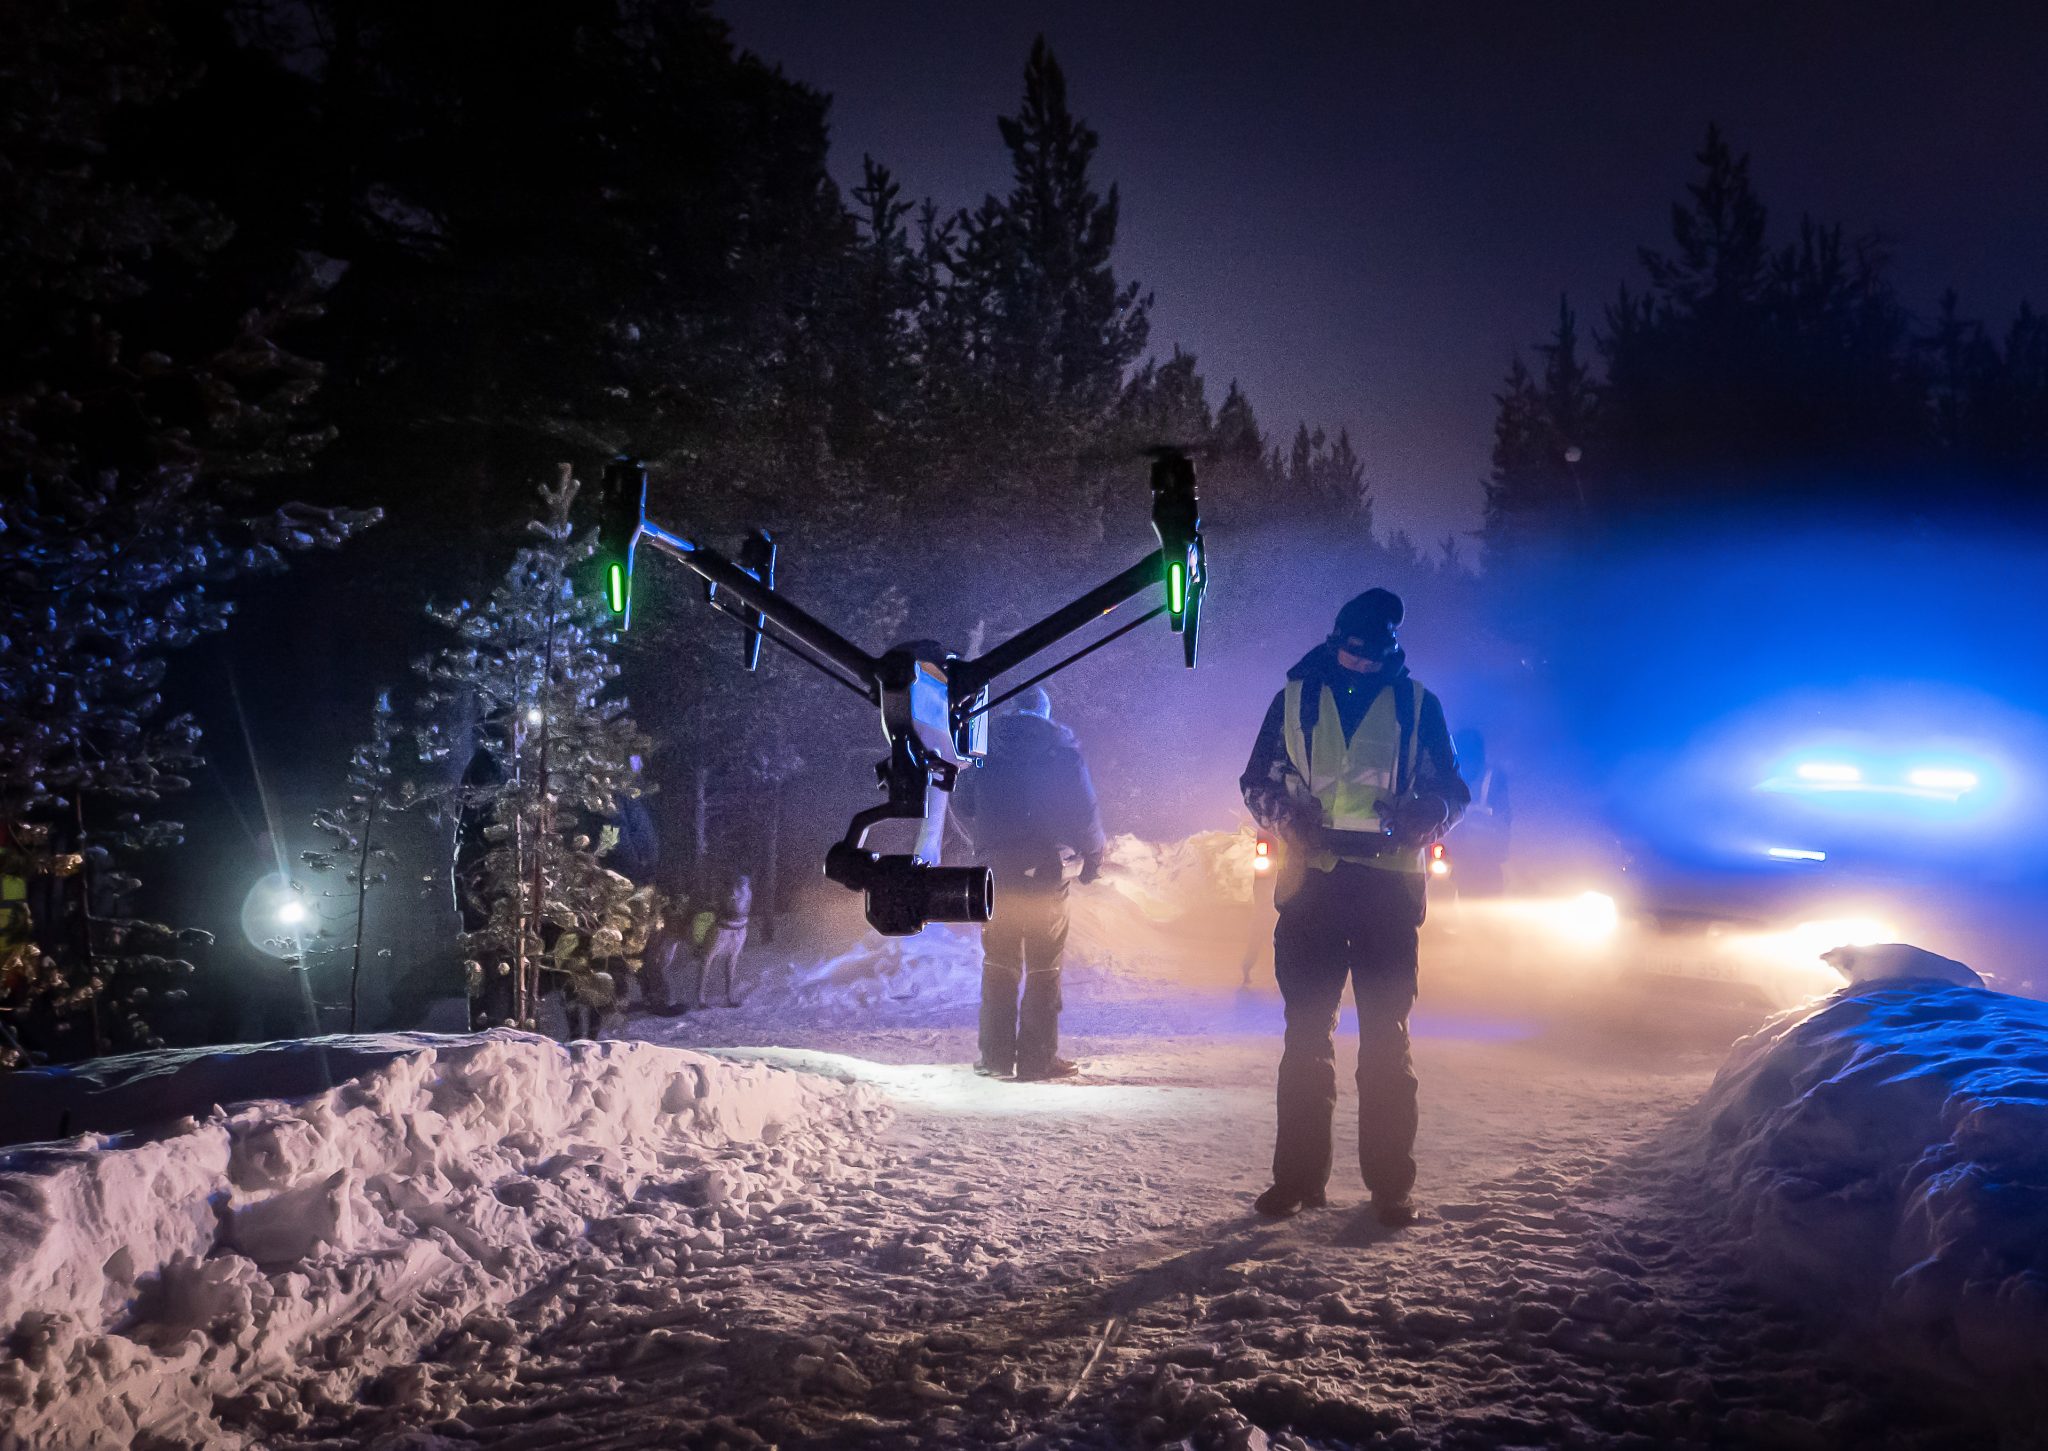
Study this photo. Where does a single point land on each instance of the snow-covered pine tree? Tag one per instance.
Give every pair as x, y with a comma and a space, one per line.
534, 663
373, 796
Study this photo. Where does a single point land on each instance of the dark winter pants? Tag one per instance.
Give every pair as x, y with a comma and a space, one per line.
1024, 943
1357, 923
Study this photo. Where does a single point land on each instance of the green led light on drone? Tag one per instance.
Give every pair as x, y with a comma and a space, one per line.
615, 588
1176, 587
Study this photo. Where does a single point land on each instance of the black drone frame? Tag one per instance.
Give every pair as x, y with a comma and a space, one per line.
934, 704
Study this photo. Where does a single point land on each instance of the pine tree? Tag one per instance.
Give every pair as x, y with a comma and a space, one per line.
1543, 429
1720, 262
359, 854
1166, 403
535, 658
1050, 322
1236, 438
1323, 482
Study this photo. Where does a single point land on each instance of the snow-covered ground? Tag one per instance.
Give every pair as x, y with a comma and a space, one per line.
232, 1276
806, 1223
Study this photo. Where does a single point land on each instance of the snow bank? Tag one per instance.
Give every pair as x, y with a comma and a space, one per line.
130, 1090
288, 1250
1887, 1154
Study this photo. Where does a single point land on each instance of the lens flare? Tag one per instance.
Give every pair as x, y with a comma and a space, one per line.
1829, 772
1591, 916
1810, 939
1942, 778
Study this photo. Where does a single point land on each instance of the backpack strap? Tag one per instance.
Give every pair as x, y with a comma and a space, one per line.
1407, 706
1311, 712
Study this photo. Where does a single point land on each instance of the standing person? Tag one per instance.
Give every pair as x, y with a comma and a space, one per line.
1030, 800
1480, 865
1353, 771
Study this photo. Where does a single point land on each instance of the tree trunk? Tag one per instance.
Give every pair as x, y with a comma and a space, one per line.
544, 827
519, 920
355, 966
770, 894
85, 943
700, 834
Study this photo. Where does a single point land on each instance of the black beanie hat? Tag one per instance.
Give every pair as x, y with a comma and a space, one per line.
1370, 617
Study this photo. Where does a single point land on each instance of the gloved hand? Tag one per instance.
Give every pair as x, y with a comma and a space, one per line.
1266, 805
1091, 867
1286, 816
1418, 820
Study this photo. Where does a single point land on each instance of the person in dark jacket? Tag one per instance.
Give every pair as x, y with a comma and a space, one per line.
1353, 771
1486, 832
1026, 804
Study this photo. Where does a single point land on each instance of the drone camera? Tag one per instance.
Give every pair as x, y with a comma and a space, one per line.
903, 893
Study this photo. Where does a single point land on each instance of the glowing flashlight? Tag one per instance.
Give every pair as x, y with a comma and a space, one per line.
1439, 860
1262, 855
533, 715
292, 913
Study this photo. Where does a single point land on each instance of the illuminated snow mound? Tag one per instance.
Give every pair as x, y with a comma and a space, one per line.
293, 1250
1888, 1156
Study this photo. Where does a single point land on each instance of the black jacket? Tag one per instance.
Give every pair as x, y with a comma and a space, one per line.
1030, 798
1436, 767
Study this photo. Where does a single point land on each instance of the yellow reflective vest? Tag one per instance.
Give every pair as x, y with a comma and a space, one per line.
1350, 777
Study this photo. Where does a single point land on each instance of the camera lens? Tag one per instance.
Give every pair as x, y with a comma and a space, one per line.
958, 894
903, 894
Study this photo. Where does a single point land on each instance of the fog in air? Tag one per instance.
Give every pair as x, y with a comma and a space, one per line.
1092, 727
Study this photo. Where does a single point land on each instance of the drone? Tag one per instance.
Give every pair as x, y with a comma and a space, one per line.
934, 703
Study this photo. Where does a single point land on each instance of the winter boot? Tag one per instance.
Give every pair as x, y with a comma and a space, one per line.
991, 1070
1057, 1068
1280, 1202
1395, 1211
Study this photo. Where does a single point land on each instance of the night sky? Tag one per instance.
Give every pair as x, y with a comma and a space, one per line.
1361, 211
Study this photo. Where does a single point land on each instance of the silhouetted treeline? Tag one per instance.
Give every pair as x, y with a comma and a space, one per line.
1776, 377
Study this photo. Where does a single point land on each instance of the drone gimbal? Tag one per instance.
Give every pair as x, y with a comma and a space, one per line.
934, 704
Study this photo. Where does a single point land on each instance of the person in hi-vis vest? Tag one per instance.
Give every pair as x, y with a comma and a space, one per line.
1354, 774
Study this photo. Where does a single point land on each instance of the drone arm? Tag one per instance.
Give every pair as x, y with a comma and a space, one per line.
820, 640
970, 676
